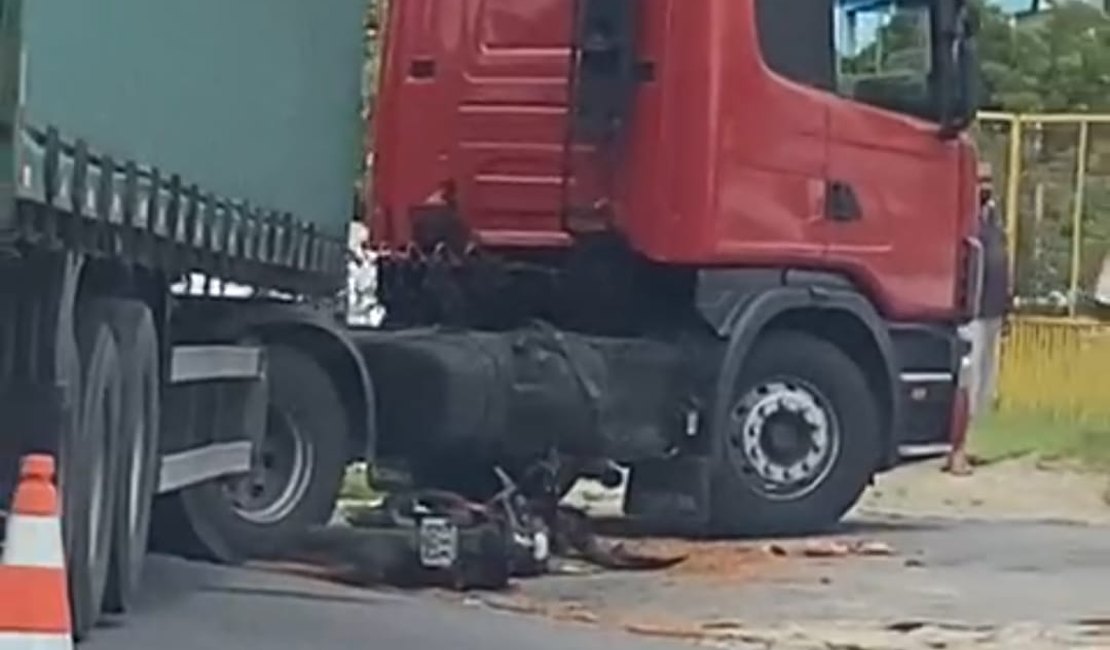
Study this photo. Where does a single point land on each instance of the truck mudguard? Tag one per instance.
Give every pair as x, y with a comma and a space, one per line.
314, 331
739, 304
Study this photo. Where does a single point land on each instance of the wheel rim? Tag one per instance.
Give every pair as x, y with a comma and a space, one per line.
785, 438
280, 473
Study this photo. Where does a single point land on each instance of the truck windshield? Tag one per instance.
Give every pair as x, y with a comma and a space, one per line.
885, 54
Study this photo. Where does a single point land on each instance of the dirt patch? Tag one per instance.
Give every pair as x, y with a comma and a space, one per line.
1014, 488
736, 562
1022, 488
996, 557
641, 623
809, 635
728, 561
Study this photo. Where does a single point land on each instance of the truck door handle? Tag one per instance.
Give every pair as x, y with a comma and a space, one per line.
841, 202
422, 68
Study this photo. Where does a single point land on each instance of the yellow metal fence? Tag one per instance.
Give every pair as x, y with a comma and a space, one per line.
1056, 367
1052, 176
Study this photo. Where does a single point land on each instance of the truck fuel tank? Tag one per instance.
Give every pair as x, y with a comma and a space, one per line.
518, 395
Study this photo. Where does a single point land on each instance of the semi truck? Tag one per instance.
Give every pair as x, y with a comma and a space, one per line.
722, 244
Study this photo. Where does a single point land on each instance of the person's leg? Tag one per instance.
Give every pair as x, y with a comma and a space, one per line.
988, 373
958, 463
975, 334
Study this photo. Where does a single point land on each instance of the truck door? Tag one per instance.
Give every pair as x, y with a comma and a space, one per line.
413, 117
475, 97
892, 208
511, 76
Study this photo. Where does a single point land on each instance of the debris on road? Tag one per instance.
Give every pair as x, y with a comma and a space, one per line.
727, 561
840, 548
826, 549
778, 550
576, 613
513, 604
432, 538
811, 634
873, 549
575, 538
722, 625
680, 631
734, 561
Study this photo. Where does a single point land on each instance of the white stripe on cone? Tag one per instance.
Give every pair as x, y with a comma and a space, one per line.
34, 541
35, 641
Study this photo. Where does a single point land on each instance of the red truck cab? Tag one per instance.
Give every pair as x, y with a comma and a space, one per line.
660, 168
742, 147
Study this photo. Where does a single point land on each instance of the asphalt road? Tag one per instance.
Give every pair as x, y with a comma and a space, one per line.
191, 606
1026, 585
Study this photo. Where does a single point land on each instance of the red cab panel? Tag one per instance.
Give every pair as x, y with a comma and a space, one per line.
475, 96
726, 161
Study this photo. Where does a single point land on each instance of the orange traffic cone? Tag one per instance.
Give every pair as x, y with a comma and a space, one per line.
34, 603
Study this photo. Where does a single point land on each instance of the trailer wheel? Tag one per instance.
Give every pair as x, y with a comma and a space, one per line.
293, 484
88, 473
801, 441
133, 327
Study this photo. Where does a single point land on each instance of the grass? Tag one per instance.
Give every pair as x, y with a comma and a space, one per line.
999, 437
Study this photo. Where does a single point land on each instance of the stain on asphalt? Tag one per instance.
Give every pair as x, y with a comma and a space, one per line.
291, 594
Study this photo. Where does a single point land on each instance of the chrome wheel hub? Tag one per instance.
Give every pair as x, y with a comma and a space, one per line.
785, 438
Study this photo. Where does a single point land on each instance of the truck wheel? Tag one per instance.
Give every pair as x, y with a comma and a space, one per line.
88, 474
801, 443
293, 484
132, 326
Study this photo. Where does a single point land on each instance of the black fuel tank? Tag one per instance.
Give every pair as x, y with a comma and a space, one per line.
517, 395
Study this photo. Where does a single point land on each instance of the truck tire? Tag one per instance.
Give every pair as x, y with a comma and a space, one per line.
801, 443
88, 473
303, 460
136, 337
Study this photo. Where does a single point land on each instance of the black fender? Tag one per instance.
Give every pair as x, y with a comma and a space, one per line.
317, 331
740, 304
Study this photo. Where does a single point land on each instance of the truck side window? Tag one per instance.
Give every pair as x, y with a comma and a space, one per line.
796, 39
877, 52
885, 54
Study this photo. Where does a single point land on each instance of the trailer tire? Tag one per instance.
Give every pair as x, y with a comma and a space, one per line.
801, 443
88, 473
136, 336
204, 522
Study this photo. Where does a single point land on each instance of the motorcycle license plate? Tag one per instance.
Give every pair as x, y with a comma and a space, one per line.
439, 543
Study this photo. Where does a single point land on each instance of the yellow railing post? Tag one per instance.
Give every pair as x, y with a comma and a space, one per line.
1077, 214
1053, 365
1013, 187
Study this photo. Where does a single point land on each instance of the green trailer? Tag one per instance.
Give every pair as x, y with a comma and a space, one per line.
226, 132
144, 142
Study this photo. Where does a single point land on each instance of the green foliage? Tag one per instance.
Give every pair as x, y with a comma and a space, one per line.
372, 28
372, 41
999, 437
1055, 61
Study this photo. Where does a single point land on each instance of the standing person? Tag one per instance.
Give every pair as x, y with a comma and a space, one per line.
985, 331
